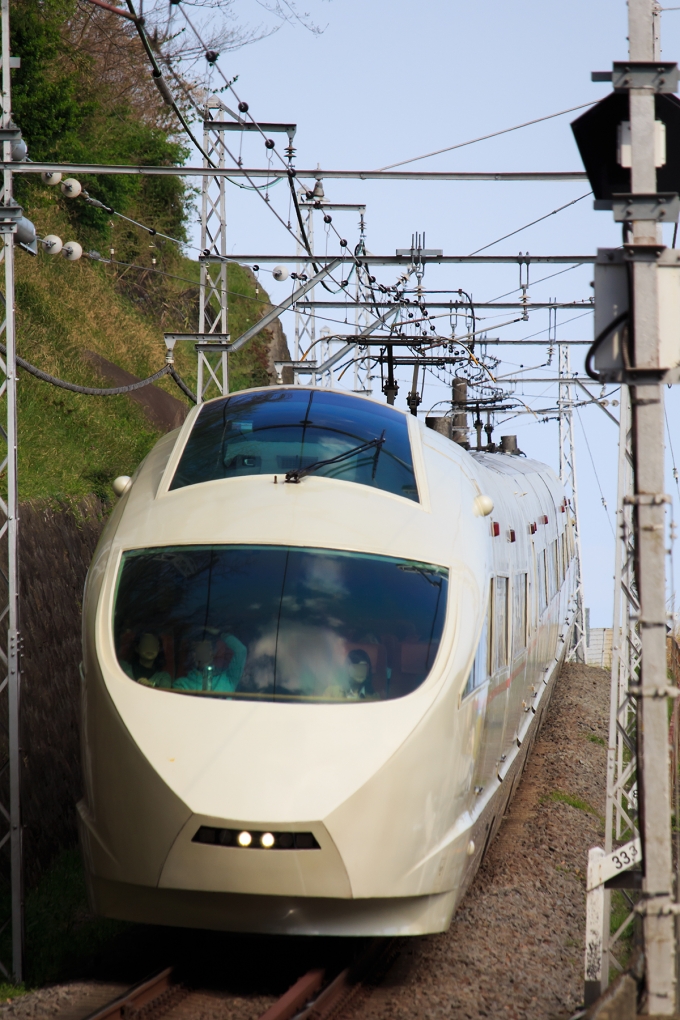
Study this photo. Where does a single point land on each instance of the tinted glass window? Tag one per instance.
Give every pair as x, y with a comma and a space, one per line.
519, 613
479, 673
277, 622
284, 430
500, 623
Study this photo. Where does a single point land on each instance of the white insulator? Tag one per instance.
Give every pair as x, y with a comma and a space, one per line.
71, 187
25, 232
72, 251
50, 177
121, 484
52, 244
19, 150
483, 505
280, 273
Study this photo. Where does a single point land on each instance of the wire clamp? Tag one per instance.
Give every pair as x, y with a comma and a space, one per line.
649, 909
647, 499
642, 691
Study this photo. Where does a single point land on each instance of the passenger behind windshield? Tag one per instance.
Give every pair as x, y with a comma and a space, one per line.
207, 675
273, 622
358, 682
144, 665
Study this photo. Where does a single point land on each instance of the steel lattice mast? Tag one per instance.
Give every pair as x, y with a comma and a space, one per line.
565, 403
213, 312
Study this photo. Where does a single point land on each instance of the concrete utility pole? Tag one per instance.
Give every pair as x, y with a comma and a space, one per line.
9, 520
648, 503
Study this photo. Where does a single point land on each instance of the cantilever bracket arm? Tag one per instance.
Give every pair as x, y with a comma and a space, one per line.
592, 398
284, 306
327, 365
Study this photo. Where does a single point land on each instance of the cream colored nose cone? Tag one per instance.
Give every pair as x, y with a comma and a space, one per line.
471, 848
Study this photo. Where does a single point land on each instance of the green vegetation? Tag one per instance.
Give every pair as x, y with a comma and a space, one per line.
83, 93
576, 802
63, 939
594, 738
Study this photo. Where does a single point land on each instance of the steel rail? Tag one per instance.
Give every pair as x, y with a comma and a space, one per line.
154, 990
567, 176
306, 999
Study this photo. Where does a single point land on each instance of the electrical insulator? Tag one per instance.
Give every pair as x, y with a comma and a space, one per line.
50, 177
270, 143
318, 190
52, 244
19, 150
243, 107
25, 232
71, 187
280, 273
72, 251
327, 218
211, 56
343, 243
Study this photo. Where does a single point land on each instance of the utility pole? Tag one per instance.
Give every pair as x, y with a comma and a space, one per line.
9, 656
648, 502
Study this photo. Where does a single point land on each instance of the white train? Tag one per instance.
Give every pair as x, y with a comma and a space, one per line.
318, 641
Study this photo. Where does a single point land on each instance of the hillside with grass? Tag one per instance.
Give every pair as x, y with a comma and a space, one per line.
83, 93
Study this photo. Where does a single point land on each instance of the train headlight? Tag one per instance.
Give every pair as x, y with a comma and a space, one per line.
267, 840
244, 839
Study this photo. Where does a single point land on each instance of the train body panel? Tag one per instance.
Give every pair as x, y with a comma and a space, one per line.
400, 793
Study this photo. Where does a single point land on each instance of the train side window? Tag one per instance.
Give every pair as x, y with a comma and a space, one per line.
542, 583
519, 613
552, 577
480, 667
500, 623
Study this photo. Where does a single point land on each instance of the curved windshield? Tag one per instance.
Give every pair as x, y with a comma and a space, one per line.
314, 431
277, 622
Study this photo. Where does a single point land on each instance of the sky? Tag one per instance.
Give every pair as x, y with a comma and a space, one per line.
387, 81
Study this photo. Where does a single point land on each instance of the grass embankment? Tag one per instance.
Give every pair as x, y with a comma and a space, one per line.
72, 444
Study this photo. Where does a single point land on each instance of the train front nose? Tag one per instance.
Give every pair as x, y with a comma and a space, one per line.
218, 855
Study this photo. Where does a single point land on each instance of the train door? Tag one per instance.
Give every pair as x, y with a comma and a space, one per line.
518, 702
491, 749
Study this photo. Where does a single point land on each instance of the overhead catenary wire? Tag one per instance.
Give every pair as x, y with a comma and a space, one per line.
483, 138
597, 478
168, 98
533, 223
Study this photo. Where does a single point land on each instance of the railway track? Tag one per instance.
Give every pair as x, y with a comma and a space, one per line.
312, 997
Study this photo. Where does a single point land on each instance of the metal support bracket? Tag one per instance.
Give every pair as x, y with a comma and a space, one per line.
657, 76
649, 909
647, 499
10, 214
663, 207
640, 691
297, 366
